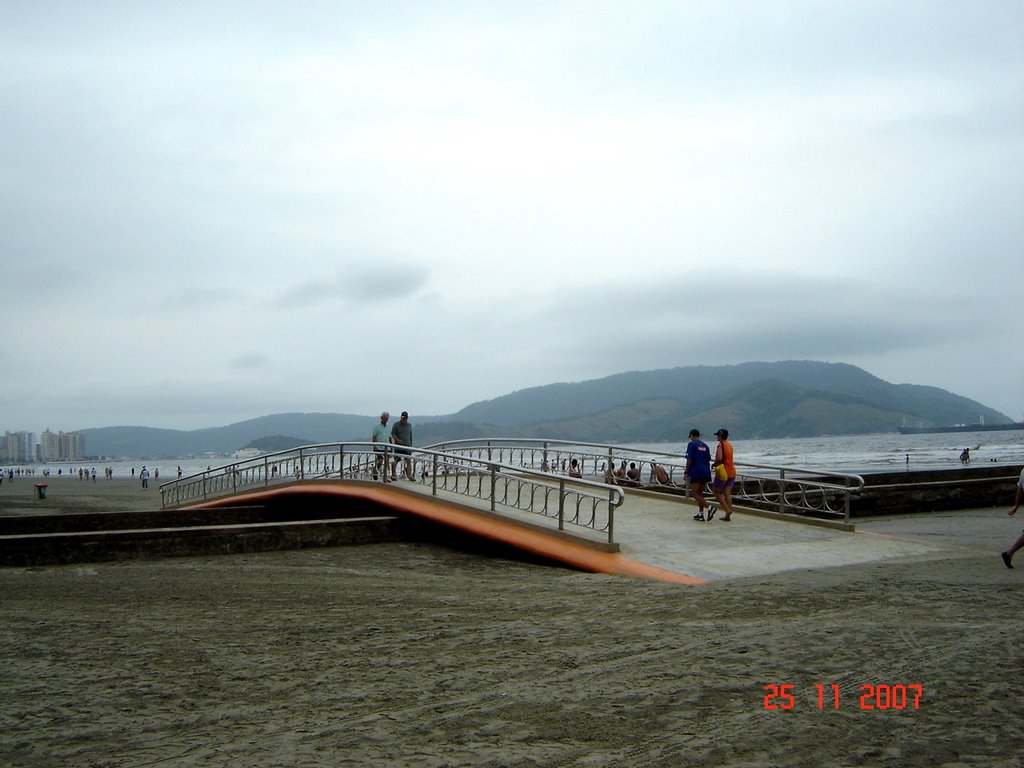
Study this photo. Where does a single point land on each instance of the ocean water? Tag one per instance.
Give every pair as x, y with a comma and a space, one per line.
852, 453
881, 451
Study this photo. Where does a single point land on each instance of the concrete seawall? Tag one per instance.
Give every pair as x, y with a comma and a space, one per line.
933, 490
98, 536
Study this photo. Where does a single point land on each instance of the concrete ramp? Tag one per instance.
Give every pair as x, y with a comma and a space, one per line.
551, 545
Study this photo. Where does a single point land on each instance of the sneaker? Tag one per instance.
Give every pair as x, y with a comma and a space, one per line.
711, 512
699, 516
1006, 559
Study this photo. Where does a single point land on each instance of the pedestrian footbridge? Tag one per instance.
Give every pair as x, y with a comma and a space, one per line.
599, 508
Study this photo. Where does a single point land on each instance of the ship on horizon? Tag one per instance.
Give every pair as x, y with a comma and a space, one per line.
961, 428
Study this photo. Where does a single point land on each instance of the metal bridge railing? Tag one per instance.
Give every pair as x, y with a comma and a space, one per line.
568, 501
792, 490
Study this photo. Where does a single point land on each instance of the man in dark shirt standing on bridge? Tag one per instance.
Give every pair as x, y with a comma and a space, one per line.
401, 435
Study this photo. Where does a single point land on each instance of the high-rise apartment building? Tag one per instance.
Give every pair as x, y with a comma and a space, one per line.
18, 446
63, 446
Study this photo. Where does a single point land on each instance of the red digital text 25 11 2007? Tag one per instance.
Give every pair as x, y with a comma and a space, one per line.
896, 696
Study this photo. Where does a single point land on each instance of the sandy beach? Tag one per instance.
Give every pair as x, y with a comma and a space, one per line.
67, 495
414, 654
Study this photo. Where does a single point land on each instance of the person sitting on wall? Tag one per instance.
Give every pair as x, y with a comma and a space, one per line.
633, 474
658, 475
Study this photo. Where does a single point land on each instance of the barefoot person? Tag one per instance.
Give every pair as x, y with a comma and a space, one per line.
725, 473
698, 470
1019, 543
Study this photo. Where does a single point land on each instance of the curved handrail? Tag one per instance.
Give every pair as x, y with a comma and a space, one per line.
526, 474
784, 489
578, 502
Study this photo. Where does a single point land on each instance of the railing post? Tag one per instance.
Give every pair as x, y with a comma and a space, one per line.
611, 517
341, 461
433, 477
846, 502
302, 465
782, 491
494, 474
561, 504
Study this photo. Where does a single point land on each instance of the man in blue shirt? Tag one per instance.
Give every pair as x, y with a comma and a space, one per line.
698, 472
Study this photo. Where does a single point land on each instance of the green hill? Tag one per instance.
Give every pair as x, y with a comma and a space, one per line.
787, 399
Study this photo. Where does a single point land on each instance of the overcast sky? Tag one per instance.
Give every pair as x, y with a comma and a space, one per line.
213, 211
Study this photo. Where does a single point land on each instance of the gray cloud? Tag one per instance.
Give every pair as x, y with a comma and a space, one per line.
196, 194
364, 284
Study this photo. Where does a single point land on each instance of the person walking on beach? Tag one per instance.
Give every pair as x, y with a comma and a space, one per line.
725, 473
1019, 543
401, 434
380, 437
698, 470
144, 474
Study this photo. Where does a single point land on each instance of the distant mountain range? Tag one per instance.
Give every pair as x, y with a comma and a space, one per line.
785, 399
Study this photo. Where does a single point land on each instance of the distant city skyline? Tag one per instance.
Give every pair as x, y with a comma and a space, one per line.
22, 446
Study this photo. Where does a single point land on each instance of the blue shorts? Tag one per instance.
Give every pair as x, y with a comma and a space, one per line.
729, 483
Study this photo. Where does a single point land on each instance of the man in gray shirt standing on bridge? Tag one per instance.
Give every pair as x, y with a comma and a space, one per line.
379, 437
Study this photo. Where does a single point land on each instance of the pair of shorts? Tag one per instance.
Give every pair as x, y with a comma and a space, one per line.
727, 483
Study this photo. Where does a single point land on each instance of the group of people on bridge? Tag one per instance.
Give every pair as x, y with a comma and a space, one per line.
400, 435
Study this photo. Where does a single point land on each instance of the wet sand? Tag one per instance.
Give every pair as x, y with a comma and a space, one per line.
65, 495
412, 654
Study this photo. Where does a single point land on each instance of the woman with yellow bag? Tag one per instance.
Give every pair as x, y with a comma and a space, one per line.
725, 473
